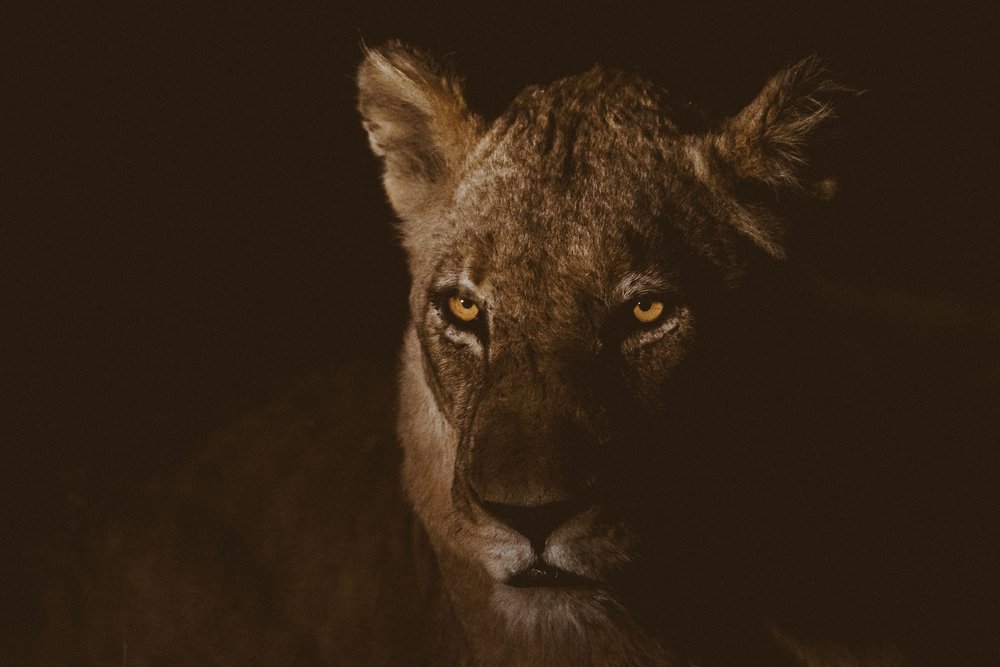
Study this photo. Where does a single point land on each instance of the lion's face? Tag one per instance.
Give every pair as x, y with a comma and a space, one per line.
567, 262
550, 313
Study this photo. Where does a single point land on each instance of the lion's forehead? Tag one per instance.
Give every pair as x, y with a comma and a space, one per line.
599, 111
520, 204
580, 178
588, 143
522, 235
552, 206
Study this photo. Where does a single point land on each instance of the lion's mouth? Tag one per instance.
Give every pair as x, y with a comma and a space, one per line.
544, 575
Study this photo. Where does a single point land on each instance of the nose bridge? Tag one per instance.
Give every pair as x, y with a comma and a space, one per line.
521, 378
527, 448
536, 384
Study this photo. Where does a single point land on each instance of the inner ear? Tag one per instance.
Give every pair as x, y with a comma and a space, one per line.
417, 121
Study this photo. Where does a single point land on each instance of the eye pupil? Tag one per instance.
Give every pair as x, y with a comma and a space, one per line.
645, 304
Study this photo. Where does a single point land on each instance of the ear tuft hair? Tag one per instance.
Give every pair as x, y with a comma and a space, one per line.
417, 121
769, 140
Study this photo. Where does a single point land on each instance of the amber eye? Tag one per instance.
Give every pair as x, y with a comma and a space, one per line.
464, 310
647, 310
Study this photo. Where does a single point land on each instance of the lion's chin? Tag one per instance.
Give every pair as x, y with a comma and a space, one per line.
553, 610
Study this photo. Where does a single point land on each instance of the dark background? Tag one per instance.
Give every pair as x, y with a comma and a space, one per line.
192, 217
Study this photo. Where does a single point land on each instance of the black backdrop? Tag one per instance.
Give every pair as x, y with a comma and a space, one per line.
192, 216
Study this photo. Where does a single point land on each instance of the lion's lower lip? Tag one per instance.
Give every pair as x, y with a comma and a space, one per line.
542, 575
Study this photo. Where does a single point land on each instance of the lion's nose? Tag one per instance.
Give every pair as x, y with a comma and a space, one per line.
536, 522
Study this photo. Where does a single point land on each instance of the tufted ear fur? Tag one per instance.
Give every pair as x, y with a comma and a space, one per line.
768, 146
417, 121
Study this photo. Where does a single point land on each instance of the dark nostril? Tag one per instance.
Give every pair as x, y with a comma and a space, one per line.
536, 522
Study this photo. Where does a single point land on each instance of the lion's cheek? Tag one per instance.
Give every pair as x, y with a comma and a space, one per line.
429, 449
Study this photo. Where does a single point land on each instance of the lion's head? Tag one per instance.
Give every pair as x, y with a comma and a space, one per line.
574, 267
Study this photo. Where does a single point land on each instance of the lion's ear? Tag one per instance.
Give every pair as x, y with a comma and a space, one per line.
769, 147
771, 140
417, 121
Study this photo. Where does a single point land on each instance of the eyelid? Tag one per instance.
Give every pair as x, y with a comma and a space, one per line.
446, 295
651, 295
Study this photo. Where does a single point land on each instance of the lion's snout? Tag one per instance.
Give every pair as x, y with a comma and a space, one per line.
530, 472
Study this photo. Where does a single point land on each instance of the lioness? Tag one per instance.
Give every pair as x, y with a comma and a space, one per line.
576, 320
607, 448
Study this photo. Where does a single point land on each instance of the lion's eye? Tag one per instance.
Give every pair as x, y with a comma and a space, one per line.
464, 310
648, 310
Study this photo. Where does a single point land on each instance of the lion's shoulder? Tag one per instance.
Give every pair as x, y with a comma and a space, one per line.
286, 539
